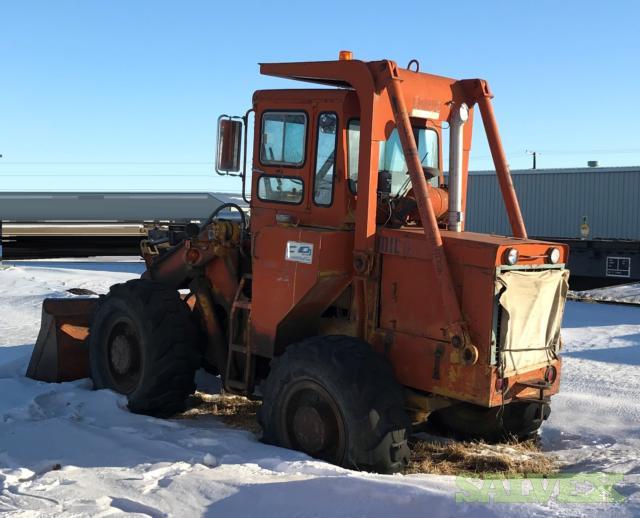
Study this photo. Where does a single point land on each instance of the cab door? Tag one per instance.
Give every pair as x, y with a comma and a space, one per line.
301, 256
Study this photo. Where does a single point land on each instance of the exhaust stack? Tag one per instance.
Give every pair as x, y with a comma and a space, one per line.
458, 117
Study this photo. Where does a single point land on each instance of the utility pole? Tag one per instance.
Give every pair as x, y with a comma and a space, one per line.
534, 154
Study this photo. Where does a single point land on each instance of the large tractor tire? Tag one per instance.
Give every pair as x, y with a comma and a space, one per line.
143, 344
335, 399
466, 421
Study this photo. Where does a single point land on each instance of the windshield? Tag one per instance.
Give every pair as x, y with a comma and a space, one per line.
392, 160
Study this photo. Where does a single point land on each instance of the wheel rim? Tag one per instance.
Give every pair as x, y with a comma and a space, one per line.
312, 422
124, 356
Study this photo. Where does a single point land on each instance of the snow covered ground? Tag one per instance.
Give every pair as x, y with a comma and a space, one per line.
66, 449
629, 293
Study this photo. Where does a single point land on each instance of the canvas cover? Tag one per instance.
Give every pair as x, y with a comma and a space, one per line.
532, 305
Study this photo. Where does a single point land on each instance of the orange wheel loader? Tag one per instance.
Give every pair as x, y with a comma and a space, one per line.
351, 301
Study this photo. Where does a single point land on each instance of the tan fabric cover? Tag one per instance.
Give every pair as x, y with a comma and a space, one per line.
532, 307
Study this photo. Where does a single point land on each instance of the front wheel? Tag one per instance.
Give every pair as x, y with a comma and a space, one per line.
333, 398
143, 344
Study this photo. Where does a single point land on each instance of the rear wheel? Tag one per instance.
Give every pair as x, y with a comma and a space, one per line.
143, 344
333, 398
515, 420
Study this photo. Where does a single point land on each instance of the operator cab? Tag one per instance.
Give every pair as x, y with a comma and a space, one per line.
306, 160
299, 170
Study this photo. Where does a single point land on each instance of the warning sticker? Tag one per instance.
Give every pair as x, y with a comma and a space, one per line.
299, 252
618, 266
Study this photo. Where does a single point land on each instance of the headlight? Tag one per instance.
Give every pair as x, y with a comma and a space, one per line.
511, 256
554, 255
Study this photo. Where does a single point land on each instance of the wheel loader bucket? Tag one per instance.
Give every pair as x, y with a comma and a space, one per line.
61, 352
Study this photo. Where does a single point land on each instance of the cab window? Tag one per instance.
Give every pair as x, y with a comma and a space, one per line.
280, 189
353, 148
283, 138
325, 159
391, 156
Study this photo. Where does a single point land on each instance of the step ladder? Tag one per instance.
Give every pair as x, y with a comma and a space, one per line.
240, 364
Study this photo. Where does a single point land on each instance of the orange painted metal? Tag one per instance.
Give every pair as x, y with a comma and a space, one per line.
76, 332
421, 295
289, 297
408, 208
61, 352
410, 331
455, 325
482, 95
412, 290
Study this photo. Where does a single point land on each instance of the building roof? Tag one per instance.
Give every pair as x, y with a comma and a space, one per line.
568, 170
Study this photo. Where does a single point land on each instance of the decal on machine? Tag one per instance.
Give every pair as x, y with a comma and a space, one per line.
299, 252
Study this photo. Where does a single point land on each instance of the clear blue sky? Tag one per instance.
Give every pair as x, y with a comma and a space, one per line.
122, 95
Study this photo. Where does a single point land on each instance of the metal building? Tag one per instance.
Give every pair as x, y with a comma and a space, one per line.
555, 201
595, 210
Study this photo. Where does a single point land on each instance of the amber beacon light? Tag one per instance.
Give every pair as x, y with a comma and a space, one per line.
345, 55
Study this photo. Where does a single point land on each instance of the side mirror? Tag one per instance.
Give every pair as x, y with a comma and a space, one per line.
229, 150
